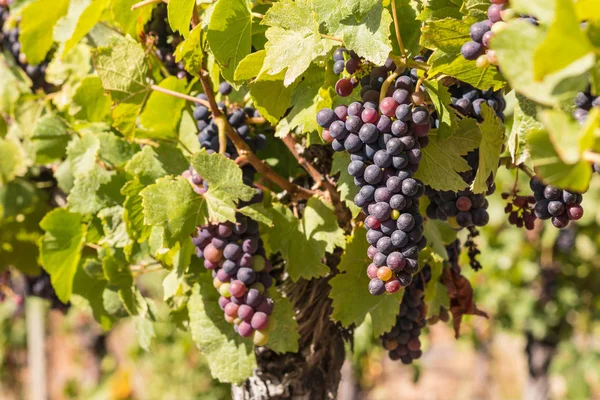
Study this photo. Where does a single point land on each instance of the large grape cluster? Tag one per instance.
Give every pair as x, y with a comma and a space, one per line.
10, 42
384, 140
561, 206
467, 100
482, 32
166, 41
584, 101
403, 342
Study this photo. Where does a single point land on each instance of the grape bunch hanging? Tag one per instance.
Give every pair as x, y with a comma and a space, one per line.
561, 206
234, 252
384, 140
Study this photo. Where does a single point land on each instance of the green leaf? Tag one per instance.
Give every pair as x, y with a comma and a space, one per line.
369, 37
292, 23
271, 97
525, 120
122, 68
351, 300
180, 15
60, 249
283, 331
439, 234
302, 252
115, 150
50, 138
229, 34
90, 102
13, 160
442, 159
81, 16
152, 163
162, 113
543, 10
74, 65
88, 194
320, 223
144, 330
115, 232
37, 21
345, 183
516, 58
250, 66
11, 87
125, 116
568, 139
436, 294
566, 38
259, 213
492, 140
116, 268
307, 99
91, 289
552, 169
441, 99
131, 21
133, 213
230, 357
190, 51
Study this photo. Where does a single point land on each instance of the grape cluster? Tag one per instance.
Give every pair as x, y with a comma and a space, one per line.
385, 151
346, 60
584, 101
482, 32
402, 342
166, 41
208, 135
553, 203
10, 42
467, 100
520, 210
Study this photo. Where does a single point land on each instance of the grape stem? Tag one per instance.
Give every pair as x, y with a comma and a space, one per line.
332, 38
244, 150
387, 83
258, 15
591, 157
145, 3
397, 29
180, 95
255, 121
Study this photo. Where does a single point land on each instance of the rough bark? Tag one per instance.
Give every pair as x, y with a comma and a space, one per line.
314, 372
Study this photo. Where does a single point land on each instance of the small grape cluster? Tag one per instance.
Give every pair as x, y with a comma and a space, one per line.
237, 117
166, 41
346, 60
467, 100
473, 249
553, 203
584, 101
520, 210
403, 342
462, 209
10, 42
482, 32
385, 151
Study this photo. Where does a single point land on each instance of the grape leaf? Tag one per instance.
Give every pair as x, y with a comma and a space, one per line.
13, 160
439, 234
271, 97
91, 289
74, 65
180, 15
90, 102
283, 328
299, 247
133, 213
122, 68
516, 59
60, 249
351, 300
292, 23
436, 294
552, 169
441, 99
152, 163
144, 329
162, 112
229, 356
229, 34
11, 87
116, 268
115, 150
345, 183
50, 138
88, 194
492, 140
441, 159
525, 112
131, 21
250, 66
190, 51
259, 213
320, 223
115, 232
542, 10
81, 16
125, 116
37, 20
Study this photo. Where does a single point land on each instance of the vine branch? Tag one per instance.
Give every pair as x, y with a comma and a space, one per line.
181, 96
397, 29
145, 3
331, 38
244, 150
591, 157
